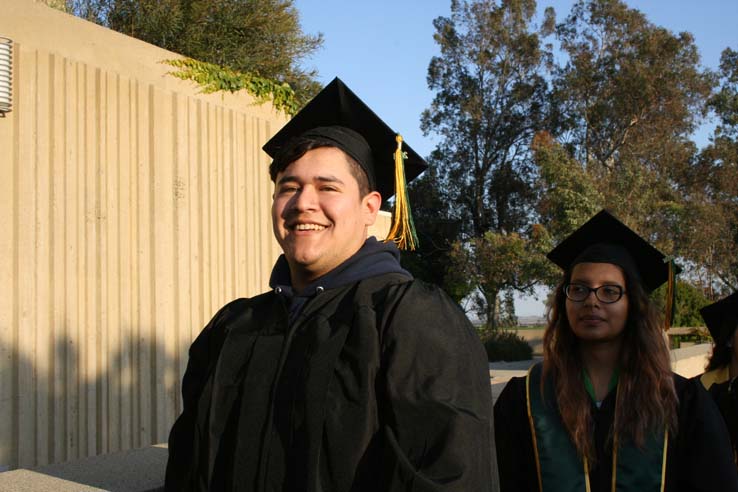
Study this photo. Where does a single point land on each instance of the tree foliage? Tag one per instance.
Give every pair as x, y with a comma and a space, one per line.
506, 346
629, 87
714, 187
613, 129
213, 78
261, 38
489, 99
431, 260
569, 195
500, 263
626, 103
689, 300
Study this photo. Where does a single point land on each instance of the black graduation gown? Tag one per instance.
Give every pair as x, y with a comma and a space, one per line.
725, 396
380, 385
698, 459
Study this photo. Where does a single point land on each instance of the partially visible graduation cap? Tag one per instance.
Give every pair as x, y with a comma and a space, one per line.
337, 114
721, 317
604, 239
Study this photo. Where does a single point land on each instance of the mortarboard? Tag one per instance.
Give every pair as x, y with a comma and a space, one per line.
604, 239
721, 317
337, 114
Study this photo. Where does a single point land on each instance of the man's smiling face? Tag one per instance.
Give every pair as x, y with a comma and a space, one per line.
319, 218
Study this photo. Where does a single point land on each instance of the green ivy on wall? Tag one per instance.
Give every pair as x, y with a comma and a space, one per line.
214, 78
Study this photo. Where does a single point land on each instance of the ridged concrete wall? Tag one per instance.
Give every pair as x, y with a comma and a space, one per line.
131, 209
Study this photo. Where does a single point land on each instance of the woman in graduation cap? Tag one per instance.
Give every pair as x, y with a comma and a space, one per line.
604, 412
721, 319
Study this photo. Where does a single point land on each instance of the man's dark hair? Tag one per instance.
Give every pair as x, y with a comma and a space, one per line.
301, 145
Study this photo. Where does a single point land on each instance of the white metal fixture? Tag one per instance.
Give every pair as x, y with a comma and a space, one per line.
6, 75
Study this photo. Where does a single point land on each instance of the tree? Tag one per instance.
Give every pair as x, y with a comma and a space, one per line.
569, 195
629, 89
714, 188
725, 101
431, 260
258, 37
498, 263
57, 4
689, 300
490, 96
626, 103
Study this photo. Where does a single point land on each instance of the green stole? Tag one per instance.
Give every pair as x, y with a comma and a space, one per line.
559, 467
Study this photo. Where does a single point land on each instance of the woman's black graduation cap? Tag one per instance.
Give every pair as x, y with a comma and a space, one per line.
604, 239
337, 114
721, 317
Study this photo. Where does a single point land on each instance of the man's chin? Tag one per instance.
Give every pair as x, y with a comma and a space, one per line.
302, 259
306, 265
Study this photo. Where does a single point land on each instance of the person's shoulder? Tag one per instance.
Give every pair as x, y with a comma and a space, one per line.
232, 314
513, 395
516, 385
391, 288
238, 306
385, 280
686, 387
714, 379
420, 289
427, 287
419, 309
428, 301
694, 399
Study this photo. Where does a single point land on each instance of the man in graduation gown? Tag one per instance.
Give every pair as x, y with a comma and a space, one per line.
349, 375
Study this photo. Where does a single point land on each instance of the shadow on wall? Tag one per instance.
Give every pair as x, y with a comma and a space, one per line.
85, 400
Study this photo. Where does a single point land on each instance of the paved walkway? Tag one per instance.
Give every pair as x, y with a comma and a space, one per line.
501, 372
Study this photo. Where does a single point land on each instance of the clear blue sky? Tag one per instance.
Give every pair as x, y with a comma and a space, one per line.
382, 48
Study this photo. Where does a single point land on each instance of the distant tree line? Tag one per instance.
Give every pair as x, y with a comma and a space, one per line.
543, 124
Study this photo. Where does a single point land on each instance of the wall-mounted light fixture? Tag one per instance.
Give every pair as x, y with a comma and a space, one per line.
6, 75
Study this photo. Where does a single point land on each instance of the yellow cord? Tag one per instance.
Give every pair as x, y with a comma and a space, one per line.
402, 232
614, 459
663, 460
533, 430
586, 475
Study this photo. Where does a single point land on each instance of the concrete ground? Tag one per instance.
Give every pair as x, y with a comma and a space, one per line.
501, 372
135, 470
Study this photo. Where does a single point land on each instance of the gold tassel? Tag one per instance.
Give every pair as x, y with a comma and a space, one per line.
402, 232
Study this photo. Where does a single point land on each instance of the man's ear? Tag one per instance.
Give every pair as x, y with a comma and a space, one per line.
371, 204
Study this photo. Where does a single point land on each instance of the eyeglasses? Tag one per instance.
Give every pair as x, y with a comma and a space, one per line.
604, 293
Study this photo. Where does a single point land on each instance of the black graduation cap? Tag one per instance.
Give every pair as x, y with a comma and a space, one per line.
604, 239
337, 106
721, 317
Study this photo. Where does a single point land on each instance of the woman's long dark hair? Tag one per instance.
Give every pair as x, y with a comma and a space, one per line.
645, 371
